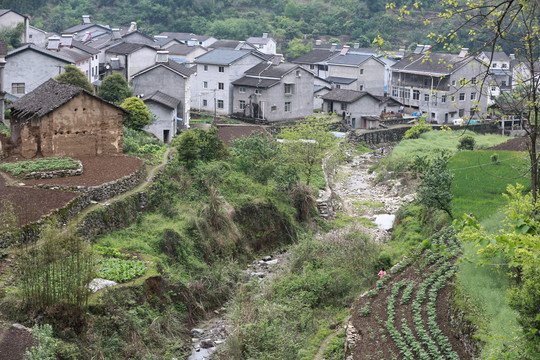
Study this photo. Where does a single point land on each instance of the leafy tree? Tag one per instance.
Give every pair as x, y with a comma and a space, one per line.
115, 89
296, 48
308, 143
198, 144
139, 115
435, 189
256, 155
466, 142
12, 36
73, 76
419, 128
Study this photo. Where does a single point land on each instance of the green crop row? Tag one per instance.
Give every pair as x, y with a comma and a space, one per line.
120, 270
407, 293
394, 333
413, 343
37, 165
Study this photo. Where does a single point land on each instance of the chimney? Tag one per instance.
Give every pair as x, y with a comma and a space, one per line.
162, 56
132, 27
512, 56
277, 59
265, 35
333, 47
318, 42
86, 19
344, 50
463, 52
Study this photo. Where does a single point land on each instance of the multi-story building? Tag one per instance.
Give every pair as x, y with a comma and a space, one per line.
445, 86
500, 73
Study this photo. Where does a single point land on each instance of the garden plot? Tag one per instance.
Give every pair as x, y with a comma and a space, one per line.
404, 316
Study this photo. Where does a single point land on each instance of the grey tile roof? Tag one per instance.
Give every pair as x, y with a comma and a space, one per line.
340, 80
431, 63
173, 65
497, 56
45, 98
88, 49
185, 36
259, 40
82, 27
162, 98
182, 49
349, 59
43, 51
223, 56
73, 54
347, 96
270, 70
126, 48
256, 82
315, 56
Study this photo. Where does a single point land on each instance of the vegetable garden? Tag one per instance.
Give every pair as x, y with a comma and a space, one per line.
400, 317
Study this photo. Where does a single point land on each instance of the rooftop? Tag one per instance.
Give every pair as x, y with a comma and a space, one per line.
223, 56
315, 56
163, 99
432, 63
346, 96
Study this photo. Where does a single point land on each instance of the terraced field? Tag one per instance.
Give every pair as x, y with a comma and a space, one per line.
405, 316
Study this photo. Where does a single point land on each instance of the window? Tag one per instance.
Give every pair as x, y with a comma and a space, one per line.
258, 91
443, 98
297, 73
221, 69
405, 93
338, 86
205, 67
289, 88
473, 96
503, 83
416, 95
426, 81
221, 86
242, 104
273, 108
220, 104
461, 113
311, 67
453, 82
493, 88
288, 106
452, 98
343, 106
473, 81
361, 88
361, 71
426, 97
504, 66
395, 92
17, 88
205, 102
242, 90
461, 96
494, 65
205, 84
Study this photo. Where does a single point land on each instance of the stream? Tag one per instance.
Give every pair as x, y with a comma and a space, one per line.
360, 197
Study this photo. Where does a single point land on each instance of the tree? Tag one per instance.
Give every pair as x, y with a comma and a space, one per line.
115, 89
12, 36
73, 76
308, 143
435, 189
199, 144
139, 115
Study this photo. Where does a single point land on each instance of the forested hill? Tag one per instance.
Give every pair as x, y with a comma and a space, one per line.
350, 20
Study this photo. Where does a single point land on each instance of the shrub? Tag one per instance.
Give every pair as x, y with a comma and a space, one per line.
303, 200
417, 129
495, 159
44, 345
466, 142
139, 116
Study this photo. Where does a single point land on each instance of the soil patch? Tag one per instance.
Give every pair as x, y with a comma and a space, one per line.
13, 343
515, 144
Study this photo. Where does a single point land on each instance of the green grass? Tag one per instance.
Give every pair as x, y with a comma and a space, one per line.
486, 289
44, 164
478, 183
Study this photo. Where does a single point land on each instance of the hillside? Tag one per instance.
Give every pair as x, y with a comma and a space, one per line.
346, 20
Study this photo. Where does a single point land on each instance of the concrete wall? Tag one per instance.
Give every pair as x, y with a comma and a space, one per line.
371, 79
37, 36
31, 68
213, 77
84, 126
165, 121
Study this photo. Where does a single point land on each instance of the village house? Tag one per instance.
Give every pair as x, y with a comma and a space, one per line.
87, 27
57, 119
185, 54
357, 72
233, 45
264, 44
189, 38
445, 86
164, 84
29, 66
38, 37
128, 59
10, 19
500, 73
316, 60
358, 109
84, 57
274, 92
216, 70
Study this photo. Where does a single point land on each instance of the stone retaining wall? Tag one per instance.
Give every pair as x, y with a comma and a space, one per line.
54, 173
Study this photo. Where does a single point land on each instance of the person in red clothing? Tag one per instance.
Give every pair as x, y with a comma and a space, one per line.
382, 273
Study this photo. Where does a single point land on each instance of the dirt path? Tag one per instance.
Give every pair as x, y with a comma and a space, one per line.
329, 338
